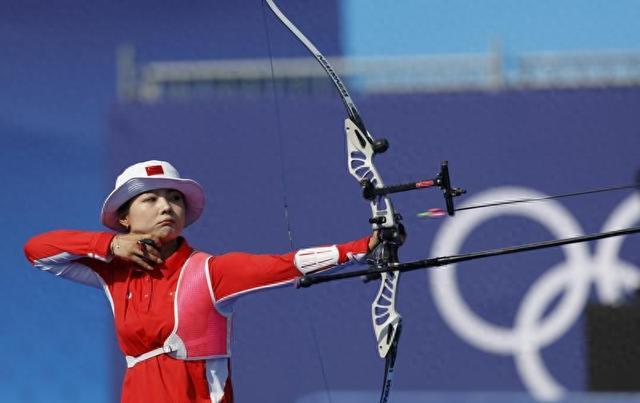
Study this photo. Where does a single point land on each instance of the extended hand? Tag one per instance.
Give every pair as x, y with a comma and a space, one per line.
374, 240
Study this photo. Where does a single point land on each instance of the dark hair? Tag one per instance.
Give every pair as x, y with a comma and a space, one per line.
124, 209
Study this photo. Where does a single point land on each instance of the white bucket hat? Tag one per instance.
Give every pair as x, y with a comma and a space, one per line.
150, 175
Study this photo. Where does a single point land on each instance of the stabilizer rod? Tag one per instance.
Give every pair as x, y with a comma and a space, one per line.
307, 281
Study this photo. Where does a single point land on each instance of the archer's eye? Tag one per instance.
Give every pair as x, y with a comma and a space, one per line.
176, 197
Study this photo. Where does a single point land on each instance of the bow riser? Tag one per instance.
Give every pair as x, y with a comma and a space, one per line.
360, 163
386, 320
384, 316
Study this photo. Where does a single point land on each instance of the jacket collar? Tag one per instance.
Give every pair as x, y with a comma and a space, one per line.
177, 258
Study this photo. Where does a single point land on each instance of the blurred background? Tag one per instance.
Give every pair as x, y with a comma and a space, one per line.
523, 98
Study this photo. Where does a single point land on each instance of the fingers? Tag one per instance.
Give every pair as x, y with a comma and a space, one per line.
143, 250
374, 240
150, 250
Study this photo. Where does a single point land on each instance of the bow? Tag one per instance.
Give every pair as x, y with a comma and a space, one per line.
361, 149
384, 261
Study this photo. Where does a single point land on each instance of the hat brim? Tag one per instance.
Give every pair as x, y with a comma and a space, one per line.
192, 191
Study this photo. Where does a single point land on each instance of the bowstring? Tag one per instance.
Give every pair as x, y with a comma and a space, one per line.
278, 129
314, 334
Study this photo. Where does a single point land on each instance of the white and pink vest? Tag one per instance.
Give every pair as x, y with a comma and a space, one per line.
200, 330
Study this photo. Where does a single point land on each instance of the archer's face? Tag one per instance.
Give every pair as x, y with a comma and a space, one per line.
160, 212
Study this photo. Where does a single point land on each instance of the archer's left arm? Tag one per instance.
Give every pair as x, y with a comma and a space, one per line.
234, 274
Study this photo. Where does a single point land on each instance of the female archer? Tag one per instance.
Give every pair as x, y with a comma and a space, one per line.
172, 305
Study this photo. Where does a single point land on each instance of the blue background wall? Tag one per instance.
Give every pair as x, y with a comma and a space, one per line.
57, 77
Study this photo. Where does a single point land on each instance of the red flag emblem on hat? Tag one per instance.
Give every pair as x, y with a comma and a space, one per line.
154, 170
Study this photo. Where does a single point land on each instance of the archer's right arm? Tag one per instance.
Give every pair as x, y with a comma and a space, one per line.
74, 255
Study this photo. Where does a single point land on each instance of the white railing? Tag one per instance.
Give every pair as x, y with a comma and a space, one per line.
407, 74
579, 69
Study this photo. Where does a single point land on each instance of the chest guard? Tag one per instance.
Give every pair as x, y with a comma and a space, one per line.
200, 331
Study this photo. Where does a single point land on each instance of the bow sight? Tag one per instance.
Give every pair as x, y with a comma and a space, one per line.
442, 181
393, 237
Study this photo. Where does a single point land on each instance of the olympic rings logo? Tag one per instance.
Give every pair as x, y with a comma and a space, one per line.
571, 280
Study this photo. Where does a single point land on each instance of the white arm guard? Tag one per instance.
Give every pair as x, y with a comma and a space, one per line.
311, 260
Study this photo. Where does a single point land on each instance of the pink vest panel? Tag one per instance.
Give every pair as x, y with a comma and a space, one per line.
203, 331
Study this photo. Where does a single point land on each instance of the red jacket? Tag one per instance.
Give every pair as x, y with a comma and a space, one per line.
142, 303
